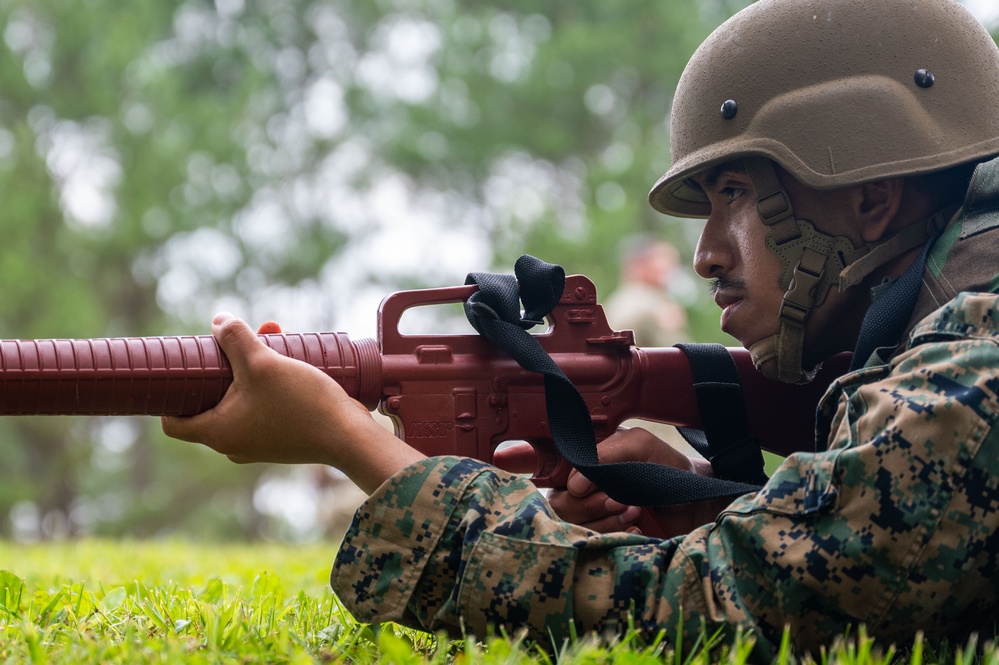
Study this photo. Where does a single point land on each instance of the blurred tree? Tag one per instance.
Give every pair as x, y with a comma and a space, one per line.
290, 159
160, 160
106, 115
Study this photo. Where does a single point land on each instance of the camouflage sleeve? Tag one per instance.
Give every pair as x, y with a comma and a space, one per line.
893, 526
454, 544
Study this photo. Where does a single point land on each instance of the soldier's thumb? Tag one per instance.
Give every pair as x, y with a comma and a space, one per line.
236, 339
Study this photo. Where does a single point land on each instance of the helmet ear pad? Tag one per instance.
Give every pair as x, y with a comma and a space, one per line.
837, 250
842, 224
811, 264
813, 261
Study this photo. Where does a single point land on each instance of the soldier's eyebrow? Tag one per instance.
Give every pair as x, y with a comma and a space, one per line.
709, 178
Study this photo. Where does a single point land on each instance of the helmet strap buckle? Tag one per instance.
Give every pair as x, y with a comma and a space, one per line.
811, 264
800, 296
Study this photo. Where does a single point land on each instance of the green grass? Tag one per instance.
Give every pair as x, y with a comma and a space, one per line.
174, 602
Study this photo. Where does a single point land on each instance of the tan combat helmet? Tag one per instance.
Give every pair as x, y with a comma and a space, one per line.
838, 92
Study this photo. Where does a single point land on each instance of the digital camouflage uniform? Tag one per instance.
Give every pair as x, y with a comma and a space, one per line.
893, 524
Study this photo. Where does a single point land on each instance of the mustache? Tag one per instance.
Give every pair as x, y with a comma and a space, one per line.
726, 284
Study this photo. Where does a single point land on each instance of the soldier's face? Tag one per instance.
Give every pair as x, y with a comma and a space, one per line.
732, 253
745, 275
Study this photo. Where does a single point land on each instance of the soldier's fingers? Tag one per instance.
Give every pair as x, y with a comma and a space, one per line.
195, 429
176, 427
579, 485
615, 523
236, 339
636, 444
516, 458
595, 509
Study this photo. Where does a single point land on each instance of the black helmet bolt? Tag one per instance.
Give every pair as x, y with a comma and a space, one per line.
729, 108
924, 78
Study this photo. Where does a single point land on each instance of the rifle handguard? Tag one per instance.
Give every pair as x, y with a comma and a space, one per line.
176, 376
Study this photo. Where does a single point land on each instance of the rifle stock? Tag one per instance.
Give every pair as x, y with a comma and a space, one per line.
447, 394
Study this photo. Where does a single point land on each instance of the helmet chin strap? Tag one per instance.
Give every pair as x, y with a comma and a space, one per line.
812, 262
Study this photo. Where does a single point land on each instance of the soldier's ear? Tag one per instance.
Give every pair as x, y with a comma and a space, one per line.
876, 204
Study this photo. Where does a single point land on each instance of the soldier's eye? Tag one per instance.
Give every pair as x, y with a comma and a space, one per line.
731, 193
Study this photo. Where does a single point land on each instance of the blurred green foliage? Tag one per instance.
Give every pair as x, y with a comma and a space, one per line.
160, 160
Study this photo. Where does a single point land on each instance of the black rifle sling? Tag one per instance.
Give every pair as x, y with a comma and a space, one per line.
494, 311
725, 441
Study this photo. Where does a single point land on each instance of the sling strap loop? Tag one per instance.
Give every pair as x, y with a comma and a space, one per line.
726, 442
494, 312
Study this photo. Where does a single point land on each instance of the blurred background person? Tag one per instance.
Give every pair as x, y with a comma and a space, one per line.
643, 301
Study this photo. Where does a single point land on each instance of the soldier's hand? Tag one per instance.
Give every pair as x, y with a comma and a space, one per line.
582, 503
286, 411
